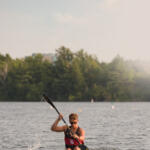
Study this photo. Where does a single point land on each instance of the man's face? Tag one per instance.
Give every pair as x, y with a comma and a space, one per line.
73, 122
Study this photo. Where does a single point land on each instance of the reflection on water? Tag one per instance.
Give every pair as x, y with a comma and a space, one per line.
121, 126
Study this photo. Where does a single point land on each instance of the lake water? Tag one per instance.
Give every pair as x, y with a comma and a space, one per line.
108, 126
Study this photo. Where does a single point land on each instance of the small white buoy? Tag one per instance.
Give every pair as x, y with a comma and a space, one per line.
92, 100
113, 107
79, 110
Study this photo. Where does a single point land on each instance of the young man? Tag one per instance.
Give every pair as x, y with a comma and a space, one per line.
74, 135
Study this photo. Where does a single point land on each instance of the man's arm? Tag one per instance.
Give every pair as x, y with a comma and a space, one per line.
57, 128
81, 136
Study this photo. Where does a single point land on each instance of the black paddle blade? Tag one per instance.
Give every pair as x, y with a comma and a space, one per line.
49, 101
83, 147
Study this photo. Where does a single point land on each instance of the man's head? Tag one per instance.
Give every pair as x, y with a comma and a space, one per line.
73, 119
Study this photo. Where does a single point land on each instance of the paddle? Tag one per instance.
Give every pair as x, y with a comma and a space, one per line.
48, 100
51, 103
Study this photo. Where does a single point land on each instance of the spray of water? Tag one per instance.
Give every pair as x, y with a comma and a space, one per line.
36, 145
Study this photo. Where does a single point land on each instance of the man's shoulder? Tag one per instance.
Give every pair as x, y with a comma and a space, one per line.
80, 129
65, 127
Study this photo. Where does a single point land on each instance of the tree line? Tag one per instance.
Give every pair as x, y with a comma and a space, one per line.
73, 76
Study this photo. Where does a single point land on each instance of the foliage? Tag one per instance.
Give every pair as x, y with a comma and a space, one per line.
73, 77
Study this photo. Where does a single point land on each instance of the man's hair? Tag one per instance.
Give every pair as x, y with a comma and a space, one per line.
73, 116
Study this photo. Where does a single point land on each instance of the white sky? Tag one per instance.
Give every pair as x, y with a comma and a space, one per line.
103, 28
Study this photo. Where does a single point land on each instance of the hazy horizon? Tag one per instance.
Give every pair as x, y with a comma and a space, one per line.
104, 28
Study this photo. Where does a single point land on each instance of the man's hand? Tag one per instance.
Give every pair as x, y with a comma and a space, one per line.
60, 117
75, 136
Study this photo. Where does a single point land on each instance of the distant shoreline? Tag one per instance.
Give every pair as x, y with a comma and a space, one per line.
78, 101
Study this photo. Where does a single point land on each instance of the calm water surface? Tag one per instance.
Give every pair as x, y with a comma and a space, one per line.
108, 126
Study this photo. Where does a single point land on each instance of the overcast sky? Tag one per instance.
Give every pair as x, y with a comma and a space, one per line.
103, 28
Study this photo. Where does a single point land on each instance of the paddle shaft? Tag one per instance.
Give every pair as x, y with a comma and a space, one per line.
59, 114
51, 103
